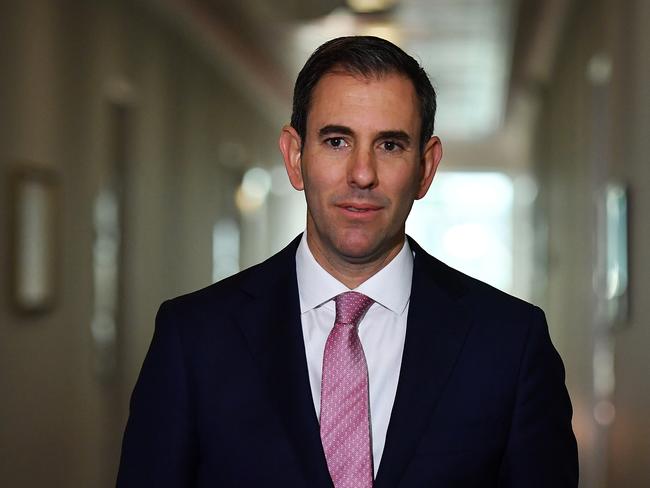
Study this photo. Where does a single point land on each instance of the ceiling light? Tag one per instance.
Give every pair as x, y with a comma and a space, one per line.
371, 6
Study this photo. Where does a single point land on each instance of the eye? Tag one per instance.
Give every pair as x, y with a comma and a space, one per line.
390, 146
336, 142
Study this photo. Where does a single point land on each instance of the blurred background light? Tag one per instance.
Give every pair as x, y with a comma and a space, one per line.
253, 190
371, 6
466, 220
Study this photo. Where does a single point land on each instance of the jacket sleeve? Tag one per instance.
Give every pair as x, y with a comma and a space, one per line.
541, 449
158, 448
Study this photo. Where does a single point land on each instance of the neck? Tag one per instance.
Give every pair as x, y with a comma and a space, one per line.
348, 271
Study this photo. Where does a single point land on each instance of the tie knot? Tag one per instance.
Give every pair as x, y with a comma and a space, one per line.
350, 306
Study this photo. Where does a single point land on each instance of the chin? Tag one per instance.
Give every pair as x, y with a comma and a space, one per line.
357, 247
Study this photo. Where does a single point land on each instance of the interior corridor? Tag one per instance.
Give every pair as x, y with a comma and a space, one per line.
139, 161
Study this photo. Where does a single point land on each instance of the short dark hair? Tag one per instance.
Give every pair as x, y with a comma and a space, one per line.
364, 56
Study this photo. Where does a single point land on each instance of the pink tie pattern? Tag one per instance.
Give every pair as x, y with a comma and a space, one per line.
344, 410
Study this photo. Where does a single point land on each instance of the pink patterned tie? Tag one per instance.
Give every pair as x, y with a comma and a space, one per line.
344, 412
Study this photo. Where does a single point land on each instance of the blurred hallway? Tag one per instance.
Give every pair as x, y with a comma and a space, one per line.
138, 161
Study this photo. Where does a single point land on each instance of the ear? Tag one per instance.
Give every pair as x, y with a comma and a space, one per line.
290, 147
431, 157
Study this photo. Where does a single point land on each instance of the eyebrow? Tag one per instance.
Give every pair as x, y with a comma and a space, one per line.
335, 129
399, 135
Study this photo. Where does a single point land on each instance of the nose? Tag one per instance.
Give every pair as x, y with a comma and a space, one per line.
362, 169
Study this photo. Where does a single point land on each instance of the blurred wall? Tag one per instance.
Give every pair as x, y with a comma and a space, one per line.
594, 130
189, 135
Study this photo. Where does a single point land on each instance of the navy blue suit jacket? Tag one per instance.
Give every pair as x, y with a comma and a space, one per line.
223, 398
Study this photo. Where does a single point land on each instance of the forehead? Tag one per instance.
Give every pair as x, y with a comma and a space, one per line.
384, 102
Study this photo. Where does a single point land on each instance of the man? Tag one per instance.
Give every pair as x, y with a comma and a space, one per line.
420, 376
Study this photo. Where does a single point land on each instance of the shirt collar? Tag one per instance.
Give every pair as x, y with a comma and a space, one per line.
389, 287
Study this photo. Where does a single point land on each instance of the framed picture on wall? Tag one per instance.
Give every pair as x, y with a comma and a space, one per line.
34, 195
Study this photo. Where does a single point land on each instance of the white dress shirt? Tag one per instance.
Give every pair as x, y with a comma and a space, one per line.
382, 330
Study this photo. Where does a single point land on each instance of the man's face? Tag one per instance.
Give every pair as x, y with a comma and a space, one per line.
360, 165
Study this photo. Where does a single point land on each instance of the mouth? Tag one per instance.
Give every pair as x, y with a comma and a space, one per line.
359, 208
356, 209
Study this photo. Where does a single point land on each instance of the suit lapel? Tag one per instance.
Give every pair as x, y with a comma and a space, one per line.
436, 329
271, 324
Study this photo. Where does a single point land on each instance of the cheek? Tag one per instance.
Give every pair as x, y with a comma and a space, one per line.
316, 195
320, 183
401, 186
